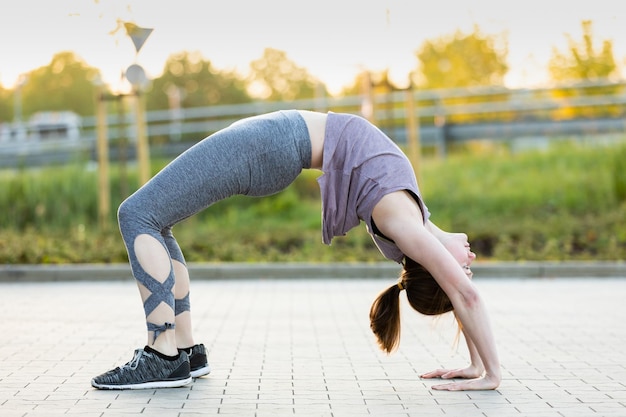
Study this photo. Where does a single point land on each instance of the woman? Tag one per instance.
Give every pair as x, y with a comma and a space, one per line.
366, 177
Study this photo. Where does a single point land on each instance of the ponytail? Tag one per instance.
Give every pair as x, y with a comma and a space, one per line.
385, 318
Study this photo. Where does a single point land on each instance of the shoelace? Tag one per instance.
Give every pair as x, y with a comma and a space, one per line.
134, 363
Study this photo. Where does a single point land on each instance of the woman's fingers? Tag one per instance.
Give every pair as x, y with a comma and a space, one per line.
469, 372
438, 373
477, 384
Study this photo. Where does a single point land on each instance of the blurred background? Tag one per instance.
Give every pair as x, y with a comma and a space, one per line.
513, 116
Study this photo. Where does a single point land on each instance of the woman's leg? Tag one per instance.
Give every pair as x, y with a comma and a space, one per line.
152, 267
257, 156
182, 306
196, 179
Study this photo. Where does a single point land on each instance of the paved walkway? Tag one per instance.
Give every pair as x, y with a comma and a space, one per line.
304, 348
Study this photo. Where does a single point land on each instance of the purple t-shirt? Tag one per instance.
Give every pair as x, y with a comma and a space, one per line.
361, 165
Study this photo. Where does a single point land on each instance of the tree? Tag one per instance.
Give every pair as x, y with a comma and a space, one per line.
378, 81
275, 77
582, 61
461, 60
196, 83
66, 83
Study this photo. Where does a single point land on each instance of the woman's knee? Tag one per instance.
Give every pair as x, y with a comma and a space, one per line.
130, 214
124, 211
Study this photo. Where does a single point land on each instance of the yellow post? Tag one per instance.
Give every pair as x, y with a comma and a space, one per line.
367, 97
413, 136
104, 192
143, 148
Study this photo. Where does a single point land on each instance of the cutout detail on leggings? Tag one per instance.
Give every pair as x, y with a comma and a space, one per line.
159, 281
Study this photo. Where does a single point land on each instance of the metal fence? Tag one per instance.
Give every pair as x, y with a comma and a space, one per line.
445, 117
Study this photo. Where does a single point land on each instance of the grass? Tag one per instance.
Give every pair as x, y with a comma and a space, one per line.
567, 203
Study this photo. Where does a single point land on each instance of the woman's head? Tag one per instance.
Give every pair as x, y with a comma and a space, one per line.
459, 247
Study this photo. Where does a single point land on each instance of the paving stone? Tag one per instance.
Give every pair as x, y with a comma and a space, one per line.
303, 347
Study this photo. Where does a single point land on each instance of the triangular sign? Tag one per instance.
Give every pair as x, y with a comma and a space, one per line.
137, 34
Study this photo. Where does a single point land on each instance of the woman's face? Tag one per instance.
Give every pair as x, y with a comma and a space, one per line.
458, 245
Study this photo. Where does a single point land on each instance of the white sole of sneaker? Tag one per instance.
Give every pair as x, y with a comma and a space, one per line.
146, 385
201, 372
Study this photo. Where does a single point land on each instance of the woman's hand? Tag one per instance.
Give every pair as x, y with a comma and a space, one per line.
472, 371
473, 376
487, 382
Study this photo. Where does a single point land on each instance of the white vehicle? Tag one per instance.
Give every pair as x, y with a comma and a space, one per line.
64, 125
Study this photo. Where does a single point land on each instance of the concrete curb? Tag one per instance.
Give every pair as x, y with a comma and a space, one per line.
214, 271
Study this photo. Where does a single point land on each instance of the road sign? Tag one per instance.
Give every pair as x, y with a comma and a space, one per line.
137, 34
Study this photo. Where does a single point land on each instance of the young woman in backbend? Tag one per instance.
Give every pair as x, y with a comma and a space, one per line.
365, 177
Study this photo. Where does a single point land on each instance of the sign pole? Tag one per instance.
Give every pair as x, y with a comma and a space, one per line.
143, 147
104, 192
137, 77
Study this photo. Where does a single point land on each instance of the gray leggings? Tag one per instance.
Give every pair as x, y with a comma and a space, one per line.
256, 156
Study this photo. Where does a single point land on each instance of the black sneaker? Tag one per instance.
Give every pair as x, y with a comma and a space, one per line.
197, 360
146, 370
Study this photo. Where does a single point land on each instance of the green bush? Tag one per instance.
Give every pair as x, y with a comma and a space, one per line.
563, 204
619, 173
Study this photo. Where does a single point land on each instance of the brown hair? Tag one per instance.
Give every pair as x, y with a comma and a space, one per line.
424, 295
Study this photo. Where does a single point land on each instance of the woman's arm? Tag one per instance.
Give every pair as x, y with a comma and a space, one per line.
398, 216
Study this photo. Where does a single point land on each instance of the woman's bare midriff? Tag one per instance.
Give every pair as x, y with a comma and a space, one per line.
316, 123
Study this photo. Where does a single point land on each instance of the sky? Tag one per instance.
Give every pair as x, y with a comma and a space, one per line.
333, 39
